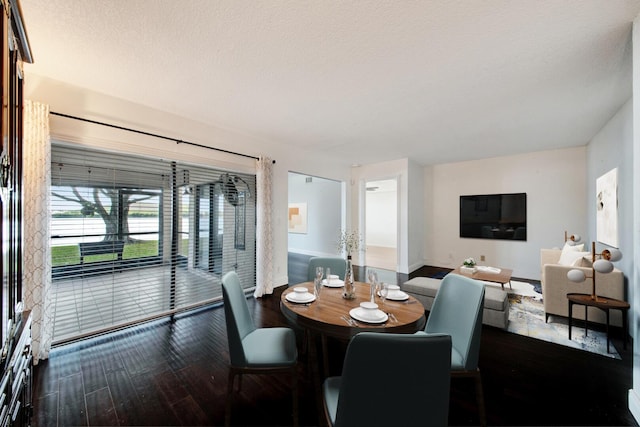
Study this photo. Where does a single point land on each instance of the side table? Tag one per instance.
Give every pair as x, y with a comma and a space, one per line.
603, 303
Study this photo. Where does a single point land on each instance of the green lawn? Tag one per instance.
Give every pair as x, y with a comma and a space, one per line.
70, 255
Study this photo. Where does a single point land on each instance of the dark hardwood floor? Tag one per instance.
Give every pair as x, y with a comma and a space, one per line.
174, 372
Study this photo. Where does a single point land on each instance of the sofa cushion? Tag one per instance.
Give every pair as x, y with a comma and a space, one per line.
496, 301
422, 286
573, 259
569, 254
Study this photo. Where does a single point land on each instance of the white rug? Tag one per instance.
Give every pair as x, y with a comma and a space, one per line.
519, 288
526, 317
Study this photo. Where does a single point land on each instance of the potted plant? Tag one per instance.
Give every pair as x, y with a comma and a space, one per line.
469, 266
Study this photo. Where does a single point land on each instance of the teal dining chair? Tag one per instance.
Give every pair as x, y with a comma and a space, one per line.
457, 311
391, 380
255, 350
336, 264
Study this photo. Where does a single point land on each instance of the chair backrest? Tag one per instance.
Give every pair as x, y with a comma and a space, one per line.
336, 264
236, 313
395, 380
457, 311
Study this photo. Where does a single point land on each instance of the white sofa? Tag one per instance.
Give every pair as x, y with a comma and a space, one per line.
556, 286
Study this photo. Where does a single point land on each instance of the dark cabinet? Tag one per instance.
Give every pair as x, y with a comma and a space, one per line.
15, 325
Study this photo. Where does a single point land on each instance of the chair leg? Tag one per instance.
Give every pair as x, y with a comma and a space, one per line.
227, 412
294, 391
480, 399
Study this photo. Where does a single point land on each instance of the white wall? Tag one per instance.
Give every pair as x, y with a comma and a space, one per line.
75, 101
555, 185
612, 148
634, 252
324, 220
382, 218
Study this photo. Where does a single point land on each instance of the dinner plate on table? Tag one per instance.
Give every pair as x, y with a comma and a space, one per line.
304, 299
335, 283
358, 314
397, 296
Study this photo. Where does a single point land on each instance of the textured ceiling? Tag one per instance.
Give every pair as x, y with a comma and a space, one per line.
434, 81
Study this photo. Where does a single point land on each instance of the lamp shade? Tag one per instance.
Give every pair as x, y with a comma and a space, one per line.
576, 275
614, 254
603, 266
573, 239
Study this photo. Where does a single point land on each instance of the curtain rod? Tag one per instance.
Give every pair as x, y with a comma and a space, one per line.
177, 141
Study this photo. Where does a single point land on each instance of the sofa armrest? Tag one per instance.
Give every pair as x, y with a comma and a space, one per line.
548, 256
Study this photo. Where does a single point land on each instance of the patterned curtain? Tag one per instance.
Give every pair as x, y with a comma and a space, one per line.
264, 232
37, 252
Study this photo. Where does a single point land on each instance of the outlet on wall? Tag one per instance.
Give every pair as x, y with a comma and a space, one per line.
481, 257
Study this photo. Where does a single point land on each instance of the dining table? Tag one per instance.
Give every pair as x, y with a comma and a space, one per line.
329, 314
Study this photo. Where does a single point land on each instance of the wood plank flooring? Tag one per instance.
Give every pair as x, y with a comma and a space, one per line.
174, 372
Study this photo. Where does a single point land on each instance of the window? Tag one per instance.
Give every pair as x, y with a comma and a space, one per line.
136, 238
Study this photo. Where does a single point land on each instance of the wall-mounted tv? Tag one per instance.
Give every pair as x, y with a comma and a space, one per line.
494, 216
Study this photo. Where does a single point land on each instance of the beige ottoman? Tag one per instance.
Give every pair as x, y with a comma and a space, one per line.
496, 301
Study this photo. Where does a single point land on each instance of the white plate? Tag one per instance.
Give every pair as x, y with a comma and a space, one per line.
397, 296
335, 283
356, 313
308, 297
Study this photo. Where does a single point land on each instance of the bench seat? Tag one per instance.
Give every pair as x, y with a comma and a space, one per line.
496, 301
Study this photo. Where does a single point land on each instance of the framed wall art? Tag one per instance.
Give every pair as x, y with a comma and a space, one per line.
607, 208
298, 218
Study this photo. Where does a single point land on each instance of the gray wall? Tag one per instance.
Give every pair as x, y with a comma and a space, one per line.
324, 209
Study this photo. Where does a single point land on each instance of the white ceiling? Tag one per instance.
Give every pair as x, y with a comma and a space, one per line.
430, 80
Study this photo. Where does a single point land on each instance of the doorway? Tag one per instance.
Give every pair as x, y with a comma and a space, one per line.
381, 224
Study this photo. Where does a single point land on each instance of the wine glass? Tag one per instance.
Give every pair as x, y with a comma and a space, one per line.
384, 291
373, 280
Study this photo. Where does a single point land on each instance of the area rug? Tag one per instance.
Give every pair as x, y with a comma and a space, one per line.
526, 317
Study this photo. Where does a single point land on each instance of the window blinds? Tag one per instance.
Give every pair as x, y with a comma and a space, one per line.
135, 238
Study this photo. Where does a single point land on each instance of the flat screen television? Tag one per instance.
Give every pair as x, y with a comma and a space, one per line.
494, 216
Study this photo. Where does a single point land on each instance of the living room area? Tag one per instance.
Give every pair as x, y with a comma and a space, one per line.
366, 115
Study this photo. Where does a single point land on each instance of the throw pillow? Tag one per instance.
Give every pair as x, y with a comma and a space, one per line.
572, 258
573, 248
579, 262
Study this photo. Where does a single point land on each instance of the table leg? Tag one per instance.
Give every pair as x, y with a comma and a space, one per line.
625, 328
510, 285
586, 319
325, 355
607, 330
570, 315
316, 377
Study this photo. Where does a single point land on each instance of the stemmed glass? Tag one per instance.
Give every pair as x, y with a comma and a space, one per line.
384, 291
373, 280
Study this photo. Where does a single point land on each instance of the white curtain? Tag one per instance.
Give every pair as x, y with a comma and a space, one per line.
36, 279
264, 231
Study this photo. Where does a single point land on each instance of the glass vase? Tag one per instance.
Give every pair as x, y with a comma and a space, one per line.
349, 285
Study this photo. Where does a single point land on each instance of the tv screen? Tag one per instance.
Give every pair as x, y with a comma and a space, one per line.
494, 216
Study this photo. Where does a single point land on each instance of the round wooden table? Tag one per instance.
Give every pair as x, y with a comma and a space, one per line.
326, 315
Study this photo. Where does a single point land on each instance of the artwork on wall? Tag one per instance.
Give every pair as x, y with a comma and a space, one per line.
607, 208
298, 218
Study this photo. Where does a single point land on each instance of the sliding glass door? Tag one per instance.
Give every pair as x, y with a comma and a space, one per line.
136, 238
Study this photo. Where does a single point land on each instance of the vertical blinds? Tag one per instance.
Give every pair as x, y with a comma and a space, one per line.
135, 238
